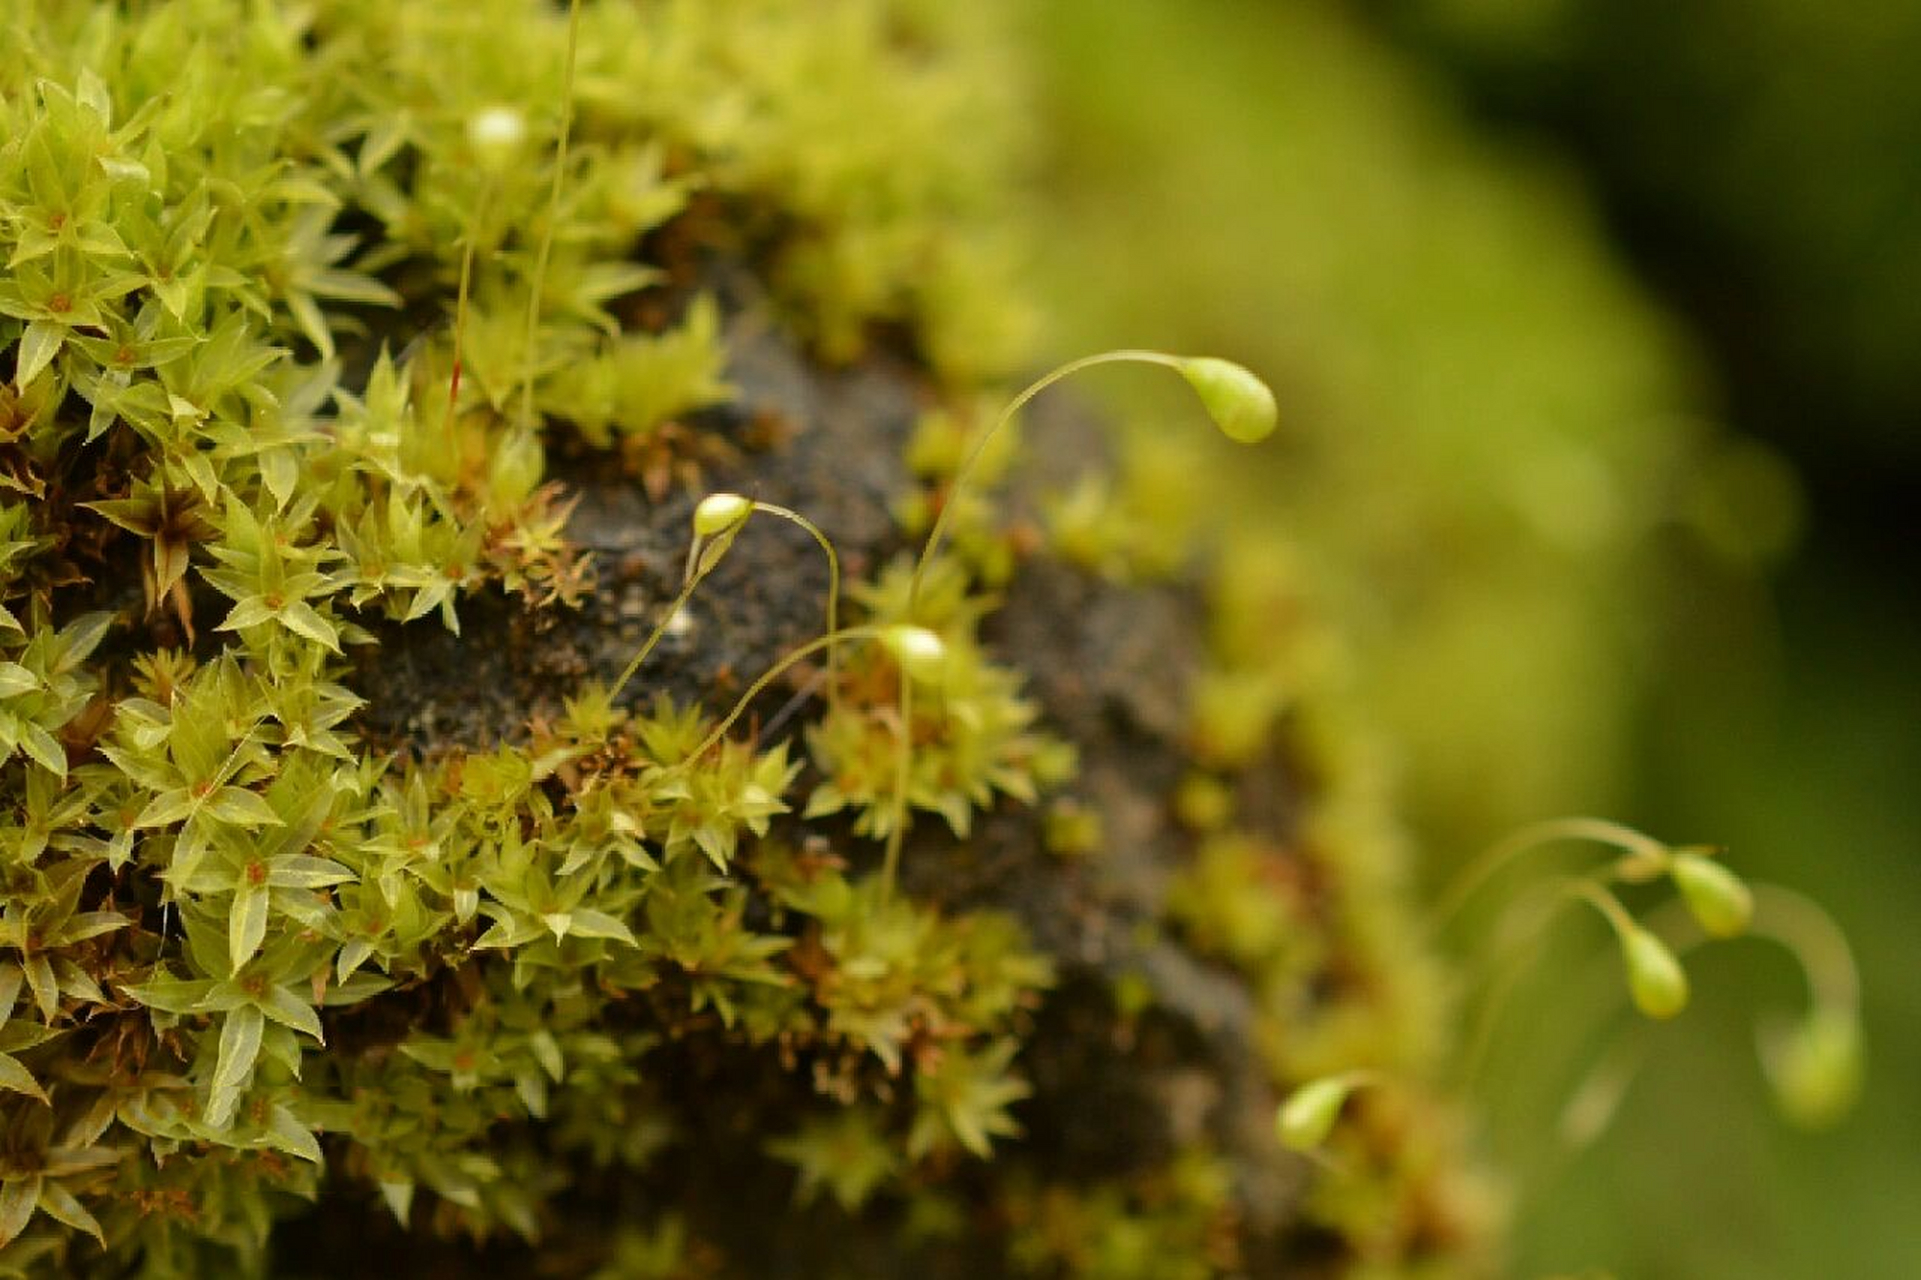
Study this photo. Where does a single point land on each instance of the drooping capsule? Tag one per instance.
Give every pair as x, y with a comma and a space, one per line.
720, 512
1816, 1068
1715, 896
1241, 404
920, 653
1656, 979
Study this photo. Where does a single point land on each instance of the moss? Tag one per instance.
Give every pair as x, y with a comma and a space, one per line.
289, 983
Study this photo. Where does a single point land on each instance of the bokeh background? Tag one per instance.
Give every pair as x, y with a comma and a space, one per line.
1597, 324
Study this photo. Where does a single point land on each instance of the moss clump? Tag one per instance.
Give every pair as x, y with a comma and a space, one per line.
590, 997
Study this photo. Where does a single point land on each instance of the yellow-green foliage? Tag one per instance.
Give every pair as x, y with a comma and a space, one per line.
282, 283
236, 946
977, 739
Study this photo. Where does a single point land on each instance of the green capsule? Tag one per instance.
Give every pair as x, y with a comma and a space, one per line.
496, 135
720, 513
1715, 896
1241, 404
1655, 978
920, 653
1816, 1068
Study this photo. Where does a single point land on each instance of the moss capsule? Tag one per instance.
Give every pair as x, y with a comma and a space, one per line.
1241, 404
1715, 896
496, 135
920, 653
720, 513
1816, 1069
1656, 979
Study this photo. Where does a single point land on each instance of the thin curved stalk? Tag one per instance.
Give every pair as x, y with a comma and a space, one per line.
767, 677
660, 629
1506, 981
890, 863
705, 555
972, 461
903, 762
1607, 904
1810, 934
460, 317
833, 588
1534, 933
1528, 839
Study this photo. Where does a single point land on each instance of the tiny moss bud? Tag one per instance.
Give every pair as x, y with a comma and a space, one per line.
920, 653
720, 513
496, 135
1655, 978
1307, 1115
1715, 896
1240, 403
1816, 1068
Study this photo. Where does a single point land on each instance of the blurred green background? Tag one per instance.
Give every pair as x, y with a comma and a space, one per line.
1598, 328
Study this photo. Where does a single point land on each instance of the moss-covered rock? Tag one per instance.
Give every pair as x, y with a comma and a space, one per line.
365, 364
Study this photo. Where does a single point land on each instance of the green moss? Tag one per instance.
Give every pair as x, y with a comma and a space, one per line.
1174, 1225
266, 322
976, 741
